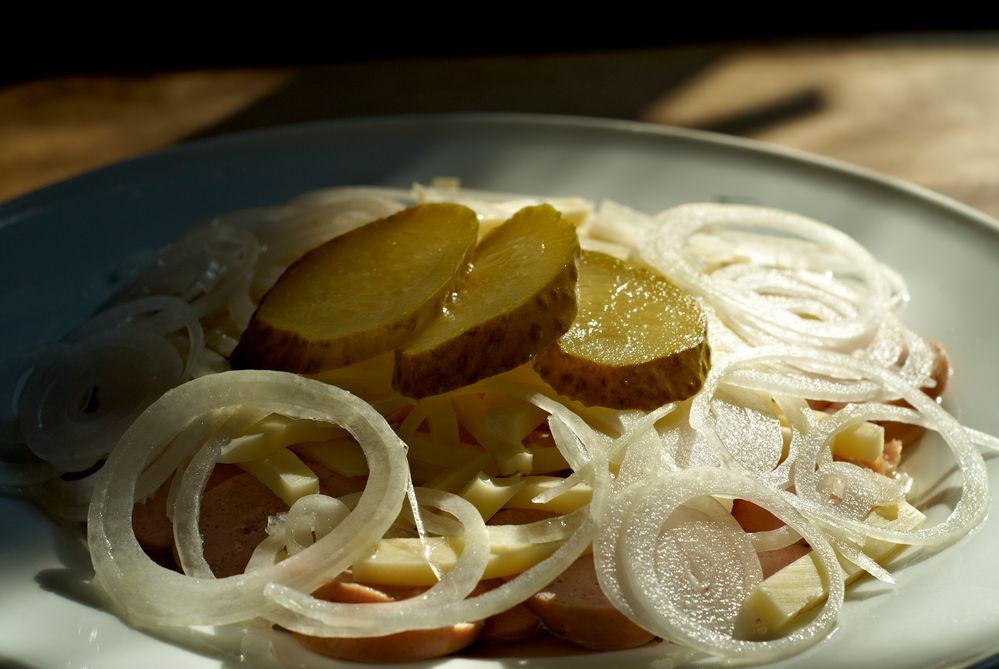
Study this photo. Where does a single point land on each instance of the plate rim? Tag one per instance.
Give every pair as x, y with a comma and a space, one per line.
20, 206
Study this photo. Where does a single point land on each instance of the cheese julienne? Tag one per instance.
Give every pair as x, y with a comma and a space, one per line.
798, 313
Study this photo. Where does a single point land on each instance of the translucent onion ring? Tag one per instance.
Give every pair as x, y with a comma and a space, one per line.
14, 375
386, 196
629, 590
973, 503
308, 615
68, 499
158, 314
150, 594
187, 490
216, 260
771, 540
700, 409
310, 518
287, 240
16, 475
74, 408
664, 247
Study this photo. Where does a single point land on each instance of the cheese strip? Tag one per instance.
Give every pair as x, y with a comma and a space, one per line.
454, 478
569, 501
422, 447
495, 435
404, 561
288, 477
775, 602
273, 434
864, 442
489, 493
342, 455
547, 459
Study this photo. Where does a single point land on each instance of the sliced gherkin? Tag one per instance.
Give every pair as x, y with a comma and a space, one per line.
362, 293
519, 297
638, 340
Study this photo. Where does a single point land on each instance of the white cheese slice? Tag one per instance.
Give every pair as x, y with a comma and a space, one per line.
406, 561
285, 474
775, 602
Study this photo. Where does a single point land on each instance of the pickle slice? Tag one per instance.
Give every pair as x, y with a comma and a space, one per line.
638, 341
362, 293
519, 298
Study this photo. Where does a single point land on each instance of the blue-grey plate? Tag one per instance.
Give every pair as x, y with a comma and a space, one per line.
60, 248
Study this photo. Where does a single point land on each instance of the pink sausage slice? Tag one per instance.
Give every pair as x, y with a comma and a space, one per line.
400, 647
515, 624
233, 521
772, 562
511, 626
753, 518
153, 529
234, 513
574, 608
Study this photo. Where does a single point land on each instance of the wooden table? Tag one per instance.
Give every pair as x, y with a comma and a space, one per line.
918, 107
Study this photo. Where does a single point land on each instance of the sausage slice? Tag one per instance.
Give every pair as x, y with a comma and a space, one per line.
574, 608
391, 648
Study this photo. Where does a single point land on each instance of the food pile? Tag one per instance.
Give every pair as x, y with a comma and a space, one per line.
399, 423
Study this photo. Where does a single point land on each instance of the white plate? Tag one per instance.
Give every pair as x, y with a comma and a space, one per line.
60, 246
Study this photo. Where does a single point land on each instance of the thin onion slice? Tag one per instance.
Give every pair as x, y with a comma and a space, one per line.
75, 408
160, 315
16, 475
308, 615
204, 268
629, 565
972, 505
794, 246
186, 492
150, 594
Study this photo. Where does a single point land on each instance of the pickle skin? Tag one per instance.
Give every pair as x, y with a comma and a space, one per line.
265, 347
